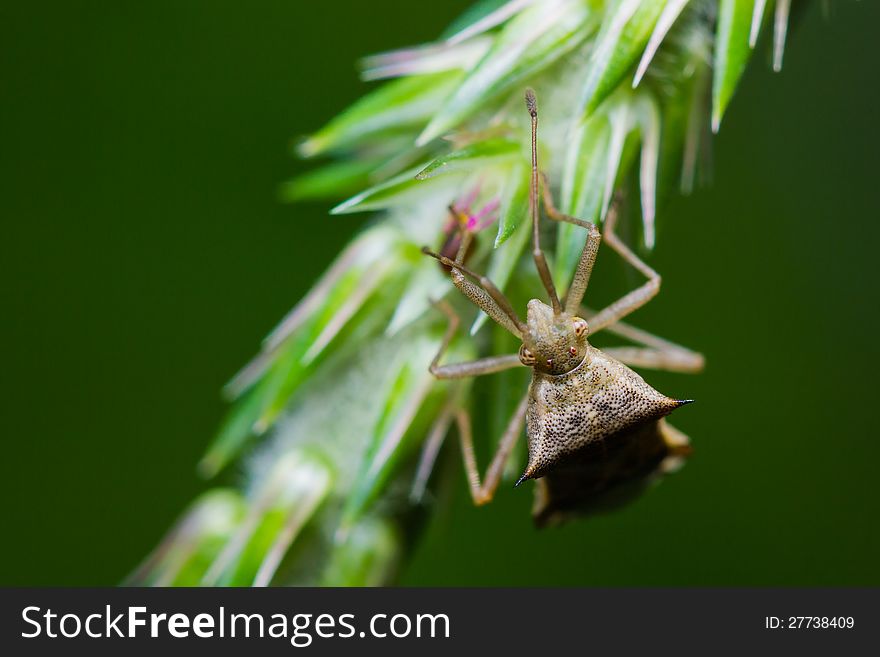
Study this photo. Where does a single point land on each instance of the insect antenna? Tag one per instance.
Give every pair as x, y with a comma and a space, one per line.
537, 253
497, 295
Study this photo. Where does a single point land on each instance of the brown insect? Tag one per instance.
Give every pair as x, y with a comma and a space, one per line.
596, 430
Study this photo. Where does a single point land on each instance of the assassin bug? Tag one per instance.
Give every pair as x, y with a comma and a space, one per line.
596, 430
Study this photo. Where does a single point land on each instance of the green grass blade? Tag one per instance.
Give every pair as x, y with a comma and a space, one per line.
471, 157
757, 19
482, 16
294, 489
366, 557
667, 17
401, 189
582, 191
406, 396
400, 104
648, 117
427, 282
731, 53
532, 40
514, 207
621, 39
330, 181
189, 548
780, 29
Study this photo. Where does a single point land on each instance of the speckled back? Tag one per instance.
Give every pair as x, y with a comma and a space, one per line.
598, 400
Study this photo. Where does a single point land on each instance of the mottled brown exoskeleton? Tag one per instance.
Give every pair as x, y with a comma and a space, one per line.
596, 430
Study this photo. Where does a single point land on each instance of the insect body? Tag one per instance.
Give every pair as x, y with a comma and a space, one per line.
591, 429
596, 430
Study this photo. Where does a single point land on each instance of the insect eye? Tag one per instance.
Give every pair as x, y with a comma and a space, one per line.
580, 327
526, 357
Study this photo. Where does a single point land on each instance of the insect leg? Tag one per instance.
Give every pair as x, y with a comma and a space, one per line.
483, 492
581, 278
678, 444
453, 371
653, 353
677, 441
488, 365
684, 360
636, 298
480, 298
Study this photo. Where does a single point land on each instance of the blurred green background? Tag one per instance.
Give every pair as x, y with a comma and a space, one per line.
145, 254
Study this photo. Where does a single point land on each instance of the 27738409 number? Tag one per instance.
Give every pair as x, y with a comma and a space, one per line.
809, 622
